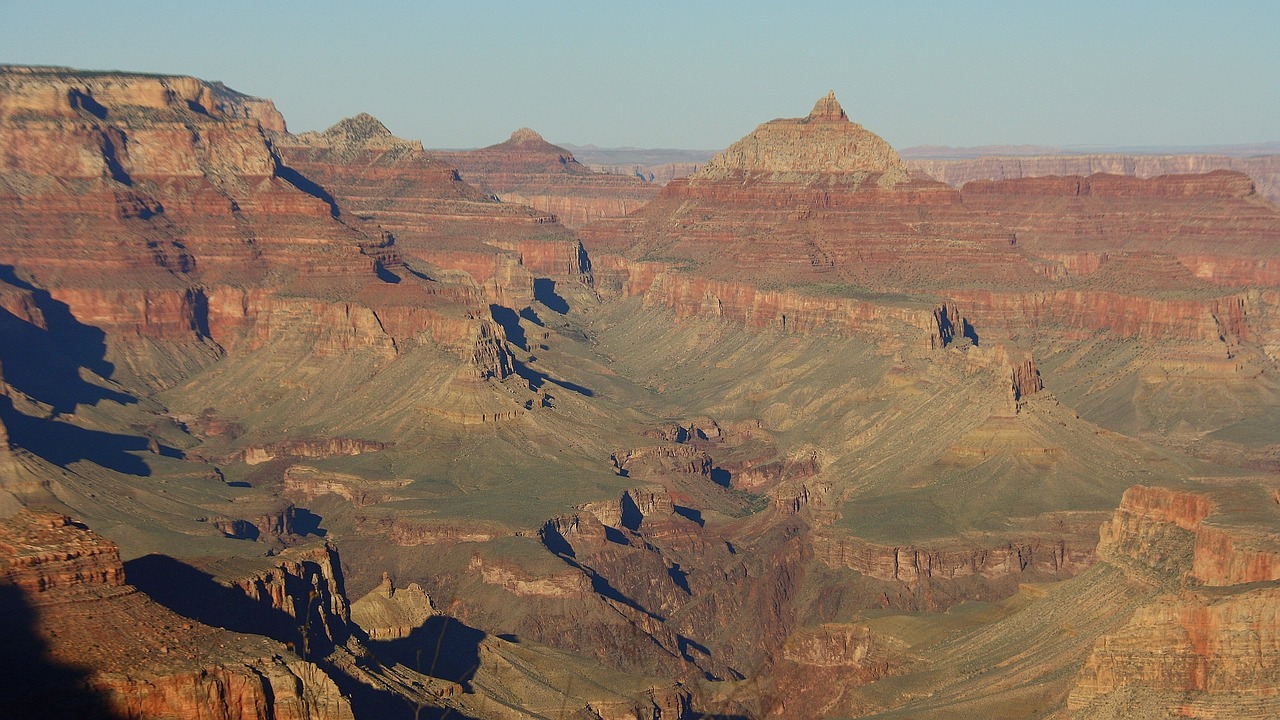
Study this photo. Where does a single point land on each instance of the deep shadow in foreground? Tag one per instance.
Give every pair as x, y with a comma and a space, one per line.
32, 684
443, 648
195, 594
537, 379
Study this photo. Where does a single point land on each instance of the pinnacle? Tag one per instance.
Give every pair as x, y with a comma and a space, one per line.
828, 108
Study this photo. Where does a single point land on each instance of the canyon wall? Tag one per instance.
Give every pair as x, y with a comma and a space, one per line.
64, 587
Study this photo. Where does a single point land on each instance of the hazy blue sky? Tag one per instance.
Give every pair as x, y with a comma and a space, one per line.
702, 74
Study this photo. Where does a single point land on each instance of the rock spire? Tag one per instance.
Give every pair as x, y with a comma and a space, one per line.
822, 143
828, 108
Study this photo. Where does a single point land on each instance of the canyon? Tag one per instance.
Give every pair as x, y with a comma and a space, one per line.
328, 424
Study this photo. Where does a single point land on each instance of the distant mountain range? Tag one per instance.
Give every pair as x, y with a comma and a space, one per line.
940, 152
593, 155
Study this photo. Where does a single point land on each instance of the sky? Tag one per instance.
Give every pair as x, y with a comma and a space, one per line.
703, 74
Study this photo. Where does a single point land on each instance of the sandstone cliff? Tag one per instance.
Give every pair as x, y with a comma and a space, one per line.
435, 215
64, 589
217, 241
1208, 645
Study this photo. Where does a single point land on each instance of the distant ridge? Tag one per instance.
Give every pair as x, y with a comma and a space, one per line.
593, 155
945, 152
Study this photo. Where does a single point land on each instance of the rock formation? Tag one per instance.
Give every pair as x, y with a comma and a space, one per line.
66, 598
434, 214
391, 613
1208, 644
806, 435
825, 141
528, 170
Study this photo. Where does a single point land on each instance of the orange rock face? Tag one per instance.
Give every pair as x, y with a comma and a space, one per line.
159, 209
1210, 648
531, 171
1204, 656
436, 217
66, 603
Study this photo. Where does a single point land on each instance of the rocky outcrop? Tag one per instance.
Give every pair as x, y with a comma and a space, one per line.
567, 584
305, 584
1196, 655
820, 665
1025, 380
1207, 646
140, 659
308, 483
307, 448
1190, 535
936, 577
47, 552
434, 214
661, 459
391, 613
825, 142
271, 520
531, 171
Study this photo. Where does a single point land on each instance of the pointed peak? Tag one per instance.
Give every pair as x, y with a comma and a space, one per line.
828, 108
525, 135
361, 127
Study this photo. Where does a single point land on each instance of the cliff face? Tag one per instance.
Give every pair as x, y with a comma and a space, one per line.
822, 208
528, 170
1208, 646
434, 213
213, 239
64, 588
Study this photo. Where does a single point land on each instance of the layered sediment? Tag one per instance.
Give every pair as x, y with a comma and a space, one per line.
65, 593
528, 170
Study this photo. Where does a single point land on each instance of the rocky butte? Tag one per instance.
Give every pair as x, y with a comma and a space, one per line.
528, 170
329, 430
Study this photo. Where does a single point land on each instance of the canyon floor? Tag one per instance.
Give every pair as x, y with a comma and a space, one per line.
326, 425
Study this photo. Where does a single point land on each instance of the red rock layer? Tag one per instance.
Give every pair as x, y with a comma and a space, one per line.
823, 208
531, 171
1214, 225
1192, 651
1197, 656
1152, 525
157, 207
433, 214
820, 204
140, 659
